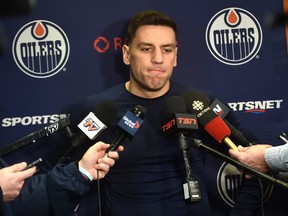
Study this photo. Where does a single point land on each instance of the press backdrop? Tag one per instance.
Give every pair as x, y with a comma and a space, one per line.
64, 50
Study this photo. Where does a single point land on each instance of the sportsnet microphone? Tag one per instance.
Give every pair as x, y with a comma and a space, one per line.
198, 104
222, 110
128, 125
179, 124
92, 126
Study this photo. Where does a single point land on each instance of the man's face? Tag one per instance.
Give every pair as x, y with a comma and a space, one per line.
152, 56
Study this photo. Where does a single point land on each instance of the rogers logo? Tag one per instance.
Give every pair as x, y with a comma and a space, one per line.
40, 49
234, 36
102, 44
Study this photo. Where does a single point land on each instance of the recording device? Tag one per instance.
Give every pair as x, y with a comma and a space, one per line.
198, 104
91, 126
34, 163
128, 126
222, 110
179, 124
34, 136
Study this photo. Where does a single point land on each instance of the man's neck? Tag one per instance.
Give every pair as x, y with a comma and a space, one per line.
145, 93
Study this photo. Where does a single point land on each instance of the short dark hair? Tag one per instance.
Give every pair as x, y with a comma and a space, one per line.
149, 17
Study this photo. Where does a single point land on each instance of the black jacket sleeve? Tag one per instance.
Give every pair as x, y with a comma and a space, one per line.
56, 193
66, 185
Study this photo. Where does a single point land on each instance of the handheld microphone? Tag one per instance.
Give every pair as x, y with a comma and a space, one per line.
34, 136
222, 110
91, 126
200, 145
179, 124
198, 104
128, 126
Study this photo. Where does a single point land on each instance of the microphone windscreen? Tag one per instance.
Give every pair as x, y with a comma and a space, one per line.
218, 129
175, 104
106, 111
139, 111
198, 104
196, 101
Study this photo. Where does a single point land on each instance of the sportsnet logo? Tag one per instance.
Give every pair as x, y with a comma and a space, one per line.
256, 107
40, 49
233, 36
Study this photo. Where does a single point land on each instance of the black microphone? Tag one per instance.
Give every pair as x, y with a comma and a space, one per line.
199, 144
91, 126
128, 126
35, 136
222, 110
180, 123
198, 104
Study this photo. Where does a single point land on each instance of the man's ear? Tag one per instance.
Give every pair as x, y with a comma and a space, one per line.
125, 54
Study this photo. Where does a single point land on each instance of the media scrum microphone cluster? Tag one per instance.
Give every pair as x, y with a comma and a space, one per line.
184, 125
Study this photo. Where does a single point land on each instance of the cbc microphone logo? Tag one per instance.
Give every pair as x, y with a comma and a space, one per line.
234, 36
40, 49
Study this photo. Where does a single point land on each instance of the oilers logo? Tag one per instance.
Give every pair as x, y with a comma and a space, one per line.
40, 49
234, 36
229, 182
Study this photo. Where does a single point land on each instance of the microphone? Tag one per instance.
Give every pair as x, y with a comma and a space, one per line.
179, 124
91, 126
222, 110
128, 126
200, 145
34, 136
198, 104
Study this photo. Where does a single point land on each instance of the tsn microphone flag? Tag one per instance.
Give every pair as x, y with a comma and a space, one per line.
130, 123
180, 122
91, 126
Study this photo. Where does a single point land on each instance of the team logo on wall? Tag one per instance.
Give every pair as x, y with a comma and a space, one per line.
229, 182
41, 49
234, 36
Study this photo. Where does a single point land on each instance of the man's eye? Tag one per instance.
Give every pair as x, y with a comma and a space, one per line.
146, 49
167, 50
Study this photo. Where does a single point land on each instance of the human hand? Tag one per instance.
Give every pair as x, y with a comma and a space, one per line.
96, 158
252, 156
12, 180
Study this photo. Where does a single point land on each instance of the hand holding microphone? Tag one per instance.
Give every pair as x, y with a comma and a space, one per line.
96, 163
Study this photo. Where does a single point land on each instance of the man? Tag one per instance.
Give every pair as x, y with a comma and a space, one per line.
149, 177
58, 192
263, 157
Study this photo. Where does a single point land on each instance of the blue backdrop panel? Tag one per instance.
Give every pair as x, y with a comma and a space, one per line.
65, 50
